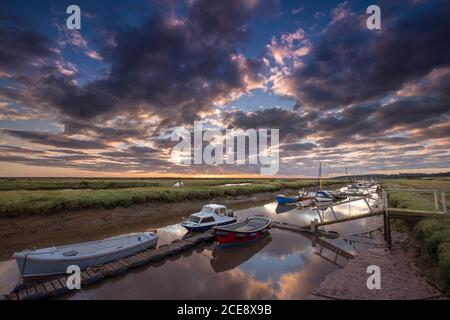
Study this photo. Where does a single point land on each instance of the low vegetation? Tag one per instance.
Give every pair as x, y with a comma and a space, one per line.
107, 193
416, 200
434, 236
433, 233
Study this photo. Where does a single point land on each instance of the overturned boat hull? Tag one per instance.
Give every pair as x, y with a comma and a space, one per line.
56, 260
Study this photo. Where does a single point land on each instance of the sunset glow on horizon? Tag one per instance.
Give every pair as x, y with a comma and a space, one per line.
102, 101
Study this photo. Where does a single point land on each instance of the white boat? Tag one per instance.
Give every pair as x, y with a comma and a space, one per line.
323, 196
211, 215
56, 260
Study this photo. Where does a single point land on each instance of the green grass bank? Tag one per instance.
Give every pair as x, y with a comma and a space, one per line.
24, 201
433, 234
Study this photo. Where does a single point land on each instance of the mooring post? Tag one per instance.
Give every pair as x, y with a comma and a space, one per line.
444, 203
368, 205
314, 225
387, 222
436, 200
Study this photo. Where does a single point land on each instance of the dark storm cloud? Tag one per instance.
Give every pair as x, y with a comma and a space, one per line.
375, 121
55, 140
298, 147
349, 63
174, 67
104, 133
66, 151
142, 150
21, 48
70, 99
292, 124
19, 150
412, 112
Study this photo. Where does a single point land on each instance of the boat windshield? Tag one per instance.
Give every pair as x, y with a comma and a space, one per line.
194, 219
207, 209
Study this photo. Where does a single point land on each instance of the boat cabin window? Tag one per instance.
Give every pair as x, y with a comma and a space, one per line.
208, 219
222, 211
194, 219
207, 209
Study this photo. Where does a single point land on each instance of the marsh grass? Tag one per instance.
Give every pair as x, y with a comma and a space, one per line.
432, 233
416, 200
25, 202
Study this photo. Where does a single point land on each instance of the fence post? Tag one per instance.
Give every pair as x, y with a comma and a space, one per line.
444, 203
384, 198
436, 200
387, 221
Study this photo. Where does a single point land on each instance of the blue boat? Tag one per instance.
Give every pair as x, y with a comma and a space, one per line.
211, 215
281, 199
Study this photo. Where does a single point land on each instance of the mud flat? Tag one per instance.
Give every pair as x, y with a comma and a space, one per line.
401, 277
34, 231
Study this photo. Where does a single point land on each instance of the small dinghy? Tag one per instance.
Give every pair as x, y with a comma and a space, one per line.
211, 215
55, 260
245, 231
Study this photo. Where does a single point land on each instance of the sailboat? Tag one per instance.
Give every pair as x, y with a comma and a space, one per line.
322, 195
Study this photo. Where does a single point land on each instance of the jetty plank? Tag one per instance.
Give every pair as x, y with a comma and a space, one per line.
59, 286
22, 294
48, 287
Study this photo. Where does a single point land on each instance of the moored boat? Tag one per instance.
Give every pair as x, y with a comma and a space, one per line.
245, 231
281, 199
56, 260
211, 215
323, 196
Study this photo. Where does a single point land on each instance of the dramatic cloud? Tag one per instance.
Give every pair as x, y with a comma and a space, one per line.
21, 48
55, 140
115, 90
348, 63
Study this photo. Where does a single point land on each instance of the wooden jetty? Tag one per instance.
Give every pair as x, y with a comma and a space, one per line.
306, 232
402, 213
58, 286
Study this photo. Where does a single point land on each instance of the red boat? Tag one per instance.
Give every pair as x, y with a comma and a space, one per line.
245, 231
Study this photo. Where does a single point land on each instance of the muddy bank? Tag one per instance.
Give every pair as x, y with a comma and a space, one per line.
35, 231
401, 277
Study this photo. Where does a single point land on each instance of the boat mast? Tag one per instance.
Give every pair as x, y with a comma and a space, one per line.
319, 178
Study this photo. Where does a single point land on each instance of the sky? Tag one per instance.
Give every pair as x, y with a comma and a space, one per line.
103, 100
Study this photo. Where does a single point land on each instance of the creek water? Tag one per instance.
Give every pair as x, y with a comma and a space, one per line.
282, 265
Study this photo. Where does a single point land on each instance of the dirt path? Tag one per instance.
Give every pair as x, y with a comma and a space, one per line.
400, 276
36, 231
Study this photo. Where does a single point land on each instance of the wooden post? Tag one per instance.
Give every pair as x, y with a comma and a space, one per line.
436, 201
444, 203
368, 205
314, 225
387, 222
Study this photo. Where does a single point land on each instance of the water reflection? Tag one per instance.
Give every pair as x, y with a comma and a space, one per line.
224, 259
283, 265
283, 208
